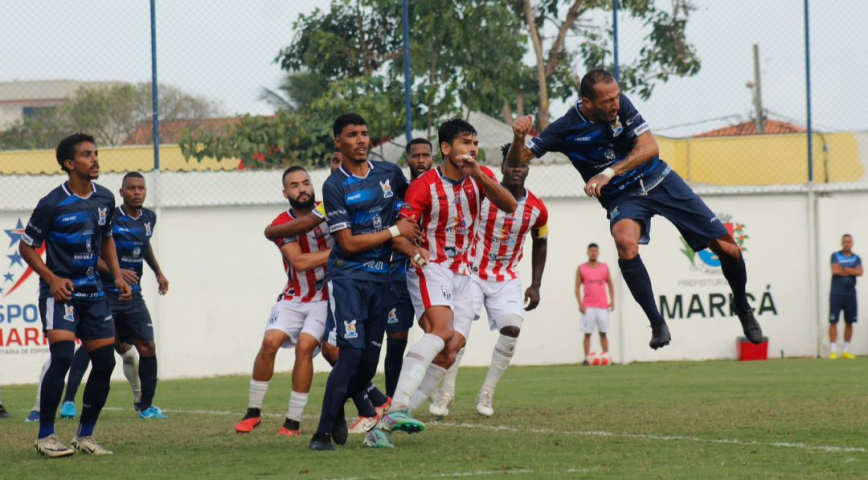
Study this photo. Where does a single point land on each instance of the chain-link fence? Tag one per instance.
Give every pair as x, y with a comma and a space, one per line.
249, 88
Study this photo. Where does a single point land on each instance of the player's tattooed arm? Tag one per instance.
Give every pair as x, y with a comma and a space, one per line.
644, 150
540, 252
519, 155
61, 288
151, 259
302, 262
299, 226
109, 254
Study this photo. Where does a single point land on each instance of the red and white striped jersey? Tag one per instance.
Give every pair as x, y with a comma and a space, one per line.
447, 212
499, 242
309, 286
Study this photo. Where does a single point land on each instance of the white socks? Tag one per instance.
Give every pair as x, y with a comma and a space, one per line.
426, 388
131, 371
297, 401
257, 393
846, 346
833, 348
452, 374
417, 361
503, 351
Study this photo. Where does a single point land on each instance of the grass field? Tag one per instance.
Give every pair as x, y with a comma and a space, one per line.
699, 420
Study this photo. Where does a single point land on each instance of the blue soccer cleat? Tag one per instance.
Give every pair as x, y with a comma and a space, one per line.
401, 420
152, 412
377, 438
67, 410
33, 417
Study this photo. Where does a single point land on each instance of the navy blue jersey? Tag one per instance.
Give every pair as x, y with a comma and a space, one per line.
592, 147
845, 285
73, 229
363, 205
132, 237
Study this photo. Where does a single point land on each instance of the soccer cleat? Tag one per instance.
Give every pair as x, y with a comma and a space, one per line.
483, 403
51, 447
364, 424
659, 336
377, 438
321, 442
833, 356
67, 410
248, 423
440, 403
88, 445
285, 432
381, 410
33, 417
401, 420
340, 431
750, 326
152, 413
3, 412
848, 356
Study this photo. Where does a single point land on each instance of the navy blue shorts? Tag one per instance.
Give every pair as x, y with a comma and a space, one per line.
675, 201
845, 303
402, 315
132, 319
359, 311
88, 320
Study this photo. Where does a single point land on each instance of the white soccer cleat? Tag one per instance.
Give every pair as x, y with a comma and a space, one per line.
51, 447
364, 424
89, 446
440, 403
483, 403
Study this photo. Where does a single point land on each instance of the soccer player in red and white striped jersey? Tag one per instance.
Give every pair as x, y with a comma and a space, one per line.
498, 248
447, 202
299, 316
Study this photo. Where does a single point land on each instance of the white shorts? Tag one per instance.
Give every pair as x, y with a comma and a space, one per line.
438, 286
503, 301
595, 318
293, 318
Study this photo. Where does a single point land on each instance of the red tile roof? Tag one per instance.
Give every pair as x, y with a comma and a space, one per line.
171, 130
771, 127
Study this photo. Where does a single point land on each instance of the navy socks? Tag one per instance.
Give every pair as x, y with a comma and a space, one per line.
639, 283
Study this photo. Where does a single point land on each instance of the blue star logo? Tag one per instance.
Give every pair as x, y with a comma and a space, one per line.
9, 277
15, 233
15, 259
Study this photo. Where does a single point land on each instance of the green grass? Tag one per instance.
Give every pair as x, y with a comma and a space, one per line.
698, 420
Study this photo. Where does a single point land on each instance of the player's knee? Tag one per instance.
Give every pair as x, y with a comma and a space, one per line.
268, 349
146, 349
61, 354
602, 334
511, 331
103, 359
330, 353
445, 332
444, 359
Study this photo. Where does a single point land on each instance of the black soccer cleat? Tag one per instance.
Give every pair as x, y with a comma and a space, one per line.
321, 442
340, 430
752, 330
3, 412
659, 336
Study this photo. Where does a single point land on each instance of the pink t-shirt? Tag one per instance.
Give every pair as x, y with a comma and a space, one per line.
595, 281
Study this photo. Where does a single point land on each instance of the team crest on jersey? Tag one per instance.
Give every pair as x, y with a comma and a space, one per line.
68, 312
617, 128
137, 251
88, 246
148, 231
387, 189
103, 213
393, 317
447, 293
350, 330
90, 273
378, 222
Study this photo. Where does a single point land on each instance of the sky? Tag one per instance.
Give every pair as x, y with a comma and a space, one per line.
224, 50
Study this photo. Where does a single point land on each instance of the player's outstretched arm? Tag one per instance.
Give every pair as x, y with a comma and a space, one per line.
151, 259
355, 244
61, 288
538, 260
644, 150
519, 155
109, 254
302, 262
295, 228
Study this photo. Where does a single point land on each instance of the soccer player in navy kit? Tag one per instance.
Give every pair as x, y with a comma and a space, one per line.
846, 266
133, 229
75, 222
361, 200
611, 146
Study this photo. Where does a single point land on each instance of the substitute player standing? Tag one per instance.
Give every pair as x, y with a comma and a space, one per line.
846, 266
298, 318
447, 202
75, 222
132, 230
611, 146
499, 247
593, 276
361, 200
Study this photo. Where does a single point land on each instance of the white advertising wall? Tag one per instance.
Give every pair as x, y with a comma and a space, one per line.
224, 276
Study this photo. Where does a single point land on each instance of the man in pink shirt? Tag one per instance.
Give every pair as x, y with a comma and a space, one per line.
594, 305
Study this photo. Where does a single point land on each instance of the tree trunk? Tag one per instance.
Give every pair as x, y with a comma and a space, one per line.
506, 112
519, 103
543, 114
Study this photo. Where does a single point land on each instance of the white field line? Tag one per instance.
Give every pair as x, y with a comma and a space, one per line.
477, 473
583, 433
